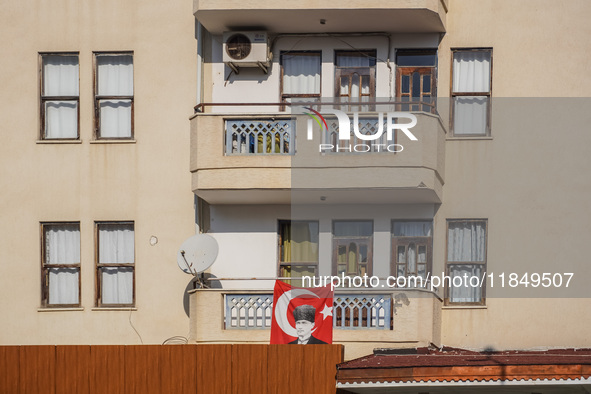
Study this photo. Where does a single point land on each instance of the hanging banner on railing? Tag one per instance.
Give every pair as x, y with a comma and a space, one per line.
301, 316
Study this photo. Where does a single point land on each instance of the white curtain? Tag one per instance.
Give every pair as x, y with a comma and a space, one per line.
466, 292
470, 113
301, 74
412, 258
115, 78
63, 286
471, 71
353, 60
61, 78
115, 75
62, 246
115, 118
412, 229
61, 119
116, 244
117, 285
466, 241
60, 75
353, 229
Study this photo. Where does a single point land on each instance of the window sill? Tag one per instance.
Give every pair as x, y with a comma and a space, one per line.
114, 308
73, 309
464, 307
50, 142
470, 138
107, 141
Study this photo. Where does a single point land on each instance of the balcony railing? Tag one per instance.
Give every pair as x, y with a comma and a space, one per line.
366, 126
254, 311
260, 137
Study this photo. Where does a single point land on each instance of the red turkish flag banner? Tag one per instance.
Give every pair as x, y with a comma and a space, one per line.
301, 316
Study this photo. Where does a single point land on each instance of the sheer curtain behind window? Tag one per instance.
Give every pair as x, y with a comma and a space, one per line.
301, 73
354, 82
60, 78
116, 246
471, 71
471, 74
115, 79
413, 229
62, 246
354, 60
465, 293
466, 243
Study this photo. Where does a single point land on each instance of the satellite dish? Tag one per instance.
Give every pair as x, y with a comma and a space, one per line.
197, 254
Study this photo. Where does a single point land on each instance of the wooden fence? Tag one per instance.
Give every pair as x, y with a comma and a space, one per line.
169, 369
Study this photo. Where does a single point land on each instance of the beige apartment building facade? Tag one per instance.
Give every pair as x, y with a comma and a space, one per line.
98, 147
107, 170
487, 170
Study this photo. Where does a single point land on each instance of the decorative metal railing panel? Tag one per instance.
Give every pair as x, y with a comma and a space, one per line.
254, 311
260, 137
248, 311
362, 311
367, 126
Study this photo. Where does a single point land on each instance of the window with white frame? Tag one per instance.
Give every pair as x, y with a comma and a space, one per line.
115, 263
471, 92
466, 257
60, 96
114, 95
60, 260
300, 75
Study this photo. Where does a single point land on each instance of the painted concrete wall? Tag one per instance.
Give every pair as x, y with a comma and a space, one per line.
528, 183
146, 180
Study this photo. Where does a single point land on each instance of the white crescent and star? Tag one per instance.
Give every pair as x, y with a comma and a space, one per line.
281, 309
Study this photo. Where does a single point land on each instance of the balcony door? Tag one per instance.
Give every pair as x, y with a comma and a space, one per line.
352, 248
416, 84
355, 77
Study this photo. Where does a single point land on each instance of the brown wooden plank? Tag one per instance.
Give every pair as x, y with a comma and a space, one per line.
9, 369
303, 369
72, 366
178, 369
214, 368
249, 369
285, 369
142, 370
107, 369
37, 369
321, 371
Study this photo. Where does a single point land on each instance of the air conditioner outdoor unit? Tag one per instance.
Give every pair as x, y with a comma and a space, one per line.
246, 49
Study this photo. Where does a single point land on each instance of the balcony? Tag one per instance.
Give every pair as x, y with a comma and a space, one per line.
397, 16
363, 320
268, 159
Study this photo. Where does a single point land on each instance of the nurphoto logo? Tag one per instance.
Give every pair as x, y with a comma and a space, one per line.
344, 133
